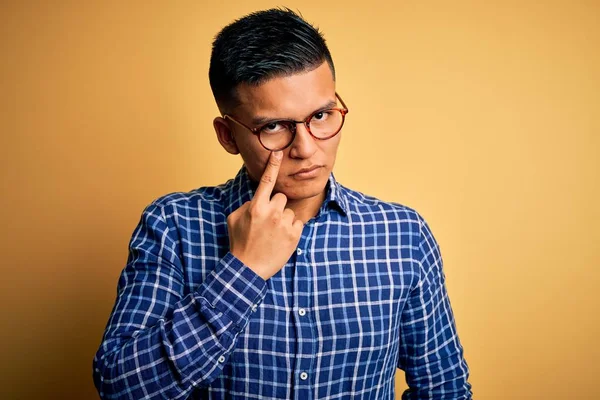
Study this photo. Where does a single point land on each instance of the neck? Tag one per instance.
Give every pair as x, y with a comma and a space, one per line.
305, 209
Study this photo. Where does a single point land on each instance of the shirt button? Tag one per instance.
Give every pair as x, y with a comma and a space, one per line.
302, 312
222, 359
254, 307
299, 251
303, 376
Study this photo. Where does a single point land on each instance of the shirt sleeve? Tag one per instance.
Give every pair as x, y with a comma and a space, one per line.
430, 351
159, 344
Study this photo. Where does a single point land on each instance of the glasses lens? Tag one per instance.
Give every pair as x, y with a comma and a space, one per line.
326, 123
276, 135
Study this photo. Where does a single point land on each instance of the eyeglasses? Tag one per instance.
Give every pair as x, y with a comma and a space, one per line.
278, 135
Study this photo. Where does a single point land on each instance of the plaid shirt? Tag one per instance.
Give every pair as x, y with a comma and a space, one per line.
363, 294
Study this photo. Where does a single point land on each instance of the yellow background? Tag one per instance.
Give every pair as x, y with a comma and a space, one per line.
484, 116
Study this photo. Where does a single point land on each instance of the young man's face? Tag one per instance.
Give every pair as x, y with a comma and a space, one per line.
293, 97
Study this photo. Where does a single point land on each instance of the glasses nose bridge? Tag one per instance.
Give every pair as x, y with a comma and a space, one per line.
294, 126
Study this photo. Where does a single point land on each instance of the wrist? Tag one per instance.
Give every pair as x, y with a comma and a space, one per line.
253, 265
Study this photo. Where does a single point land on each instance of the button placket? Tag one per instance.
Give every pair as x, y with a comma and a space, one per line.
303, 323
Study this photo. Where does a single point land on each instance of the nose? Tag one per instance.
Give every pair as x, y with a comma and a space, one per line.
304, 144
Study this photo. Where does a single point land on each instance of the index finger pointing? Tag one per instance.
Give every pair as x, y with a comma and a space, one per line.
269, 177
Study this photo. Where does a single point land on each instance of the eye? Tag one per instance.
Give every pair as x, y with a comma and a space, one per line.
321, 115
272, 128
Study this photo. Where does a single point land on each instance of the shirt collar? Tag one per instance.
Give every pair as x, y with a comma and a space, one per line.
241, 189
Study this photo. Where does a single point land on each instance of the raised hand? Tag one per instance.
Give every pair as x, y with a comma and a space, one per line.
263, 234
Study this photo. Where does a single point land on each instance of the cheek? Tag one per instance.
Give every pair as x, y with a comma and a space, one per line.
254, 156
255, 165
330, 148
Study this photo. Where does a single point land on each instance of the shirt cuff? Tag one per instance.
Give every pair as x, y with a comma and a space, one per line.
233, 289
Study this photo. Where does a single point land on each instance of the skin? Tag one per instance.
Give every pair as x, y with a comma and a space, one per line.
288, 97
263, 233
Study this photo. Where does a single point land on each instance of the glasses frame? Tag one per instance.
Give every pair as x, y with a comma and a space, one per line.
293, 124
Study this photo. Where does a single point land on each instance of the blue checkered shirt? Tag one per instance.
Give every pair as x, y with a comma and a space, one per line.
363, 293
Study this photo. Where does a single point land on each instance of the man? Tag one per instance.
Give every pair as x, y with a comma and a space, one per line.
280, 283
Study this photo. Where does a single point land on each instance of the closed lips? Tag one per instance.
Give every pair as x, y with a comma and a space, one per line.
307, 169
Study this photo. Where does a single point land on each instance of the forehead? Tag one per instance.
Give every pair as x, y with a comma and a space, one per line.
292, 96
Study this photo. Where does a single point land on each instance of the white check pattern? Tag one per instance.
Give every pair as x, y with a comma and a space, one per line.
363, 294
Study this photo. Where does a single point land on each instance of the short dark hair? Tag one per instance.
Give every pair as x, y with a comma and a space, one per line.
260, 46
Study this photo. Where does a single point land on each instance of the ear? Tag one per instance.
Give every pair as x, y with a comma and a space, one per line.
225, 135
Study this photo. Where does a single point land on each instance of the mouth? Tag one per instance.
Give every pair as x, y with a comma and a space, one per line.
307, 173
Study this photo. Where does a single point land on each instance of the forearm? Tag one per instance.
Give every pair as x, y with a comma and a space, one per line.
431, 353
443, 379
184, 349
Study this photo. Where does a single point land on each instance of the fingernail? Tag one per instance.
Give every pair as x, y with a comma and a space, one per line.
278, 154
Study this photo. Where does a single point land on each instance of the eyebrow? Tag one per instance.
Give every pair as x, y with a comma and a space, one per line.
259, 121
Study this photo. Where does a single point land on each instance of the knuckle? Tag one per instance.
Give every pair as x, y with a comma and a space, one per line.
275, 218
266, 178
280, 197
289, 213
293, 234
299, 225
254, 209
235, 215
